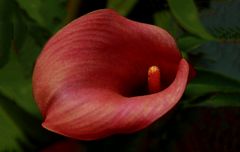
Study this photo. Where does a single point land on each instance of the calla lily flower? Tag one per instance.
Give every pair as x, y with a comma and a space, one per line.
103, 74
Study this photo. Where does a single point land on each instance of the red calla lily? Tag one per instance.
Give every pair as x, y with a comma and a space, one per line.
90, 81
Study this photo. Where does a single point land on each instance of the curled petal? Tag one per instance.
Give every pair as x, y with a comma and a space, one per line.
100, 113
90, 80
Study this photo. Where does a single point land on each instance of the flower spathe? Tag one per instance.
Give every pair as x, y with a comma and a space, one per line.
91, 77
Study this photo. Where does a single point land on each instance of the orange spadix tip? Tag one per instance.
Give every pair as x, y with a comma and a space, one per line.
154, 79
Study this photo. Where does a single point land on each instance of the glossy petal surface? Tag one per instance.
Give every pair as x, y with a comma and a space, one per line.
90, 80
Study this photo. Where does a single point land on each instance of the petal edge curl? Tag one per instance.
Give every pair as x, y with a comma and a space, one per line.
116, 115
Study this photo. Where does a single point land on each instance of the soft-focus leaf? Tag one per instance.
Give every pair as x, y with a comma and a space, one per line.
190, 43
19, 130
5, 41
210, 82
14, 85
221, 56
219, 100
122, 6
186, 14
11, 133
165, 20
48, 14
72, 10
27, 55
56, 13
33, 10
6, 30
208, 88
222, 19
29, 38
20, 29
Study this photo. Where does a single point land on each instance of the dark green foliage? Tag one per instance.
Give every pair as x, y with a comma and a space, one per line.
24, 28
187, 16
122, 6
6, 30
222, 56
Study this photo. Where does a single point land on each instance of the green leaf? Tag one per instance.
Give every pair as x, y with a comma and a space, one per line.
222, 19
33, 10
48, 14
6, 30
210, 82
19, 130
20, 29
16, 86
11, 133
165, 20
189, 43
208, 88
27, 55
5, 41
73, 7
223, 55
56, 13
29, 38
122, 6
186, 14
219, 100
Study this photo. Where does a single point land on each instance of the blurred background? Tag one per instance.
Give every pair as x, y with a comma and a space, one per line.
208, 35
